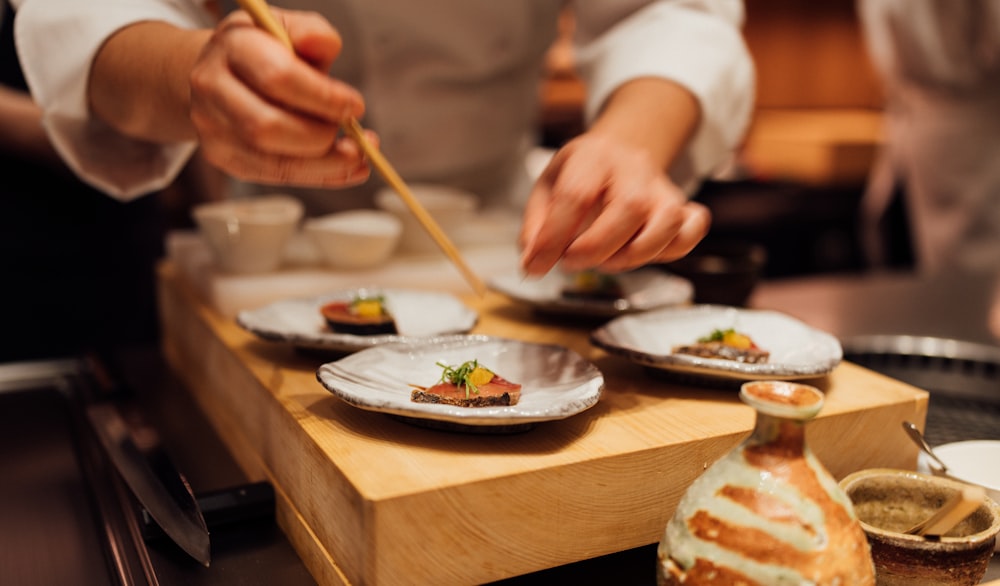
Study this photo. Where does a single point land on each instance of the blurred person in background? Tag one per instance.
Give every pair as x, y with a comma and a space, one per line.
450, 87
76, 265
940, 64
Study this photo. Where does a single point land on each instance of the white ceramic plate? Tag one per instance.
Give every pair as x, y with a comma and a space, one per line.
643, 289
419, 315
797, 350
555, 381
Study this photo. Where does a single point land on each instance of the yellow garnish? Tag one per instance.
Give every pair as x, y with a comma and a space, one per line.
736, 340
367, 307
587, 280
480, 376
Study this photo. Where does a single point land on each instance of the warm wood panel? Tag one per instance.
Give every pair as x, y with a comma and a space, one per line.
810, 55
367, 499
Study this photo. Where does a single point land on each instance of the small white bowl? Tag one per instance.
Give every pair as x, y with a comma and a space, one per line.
355, 239
249, 235
450, 207
975, 462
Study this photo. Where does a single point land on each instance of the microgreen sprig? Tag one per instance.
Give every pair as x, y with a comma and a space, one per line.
716, 335
460, 375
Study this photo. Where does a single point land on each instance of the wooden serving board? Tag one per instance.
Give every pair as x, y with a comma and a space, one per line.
368, 499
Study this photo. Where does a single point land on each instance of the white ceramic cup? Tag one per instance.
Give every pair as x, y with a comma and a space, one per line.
451, 208
249, 235
355, 239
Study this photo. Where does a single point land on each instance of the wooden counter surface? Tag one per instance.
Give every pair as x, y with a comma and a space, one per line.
367, 499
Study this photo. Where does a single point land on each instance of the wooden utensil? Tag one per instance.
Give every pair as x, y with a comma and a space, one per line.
264, 18
952, 513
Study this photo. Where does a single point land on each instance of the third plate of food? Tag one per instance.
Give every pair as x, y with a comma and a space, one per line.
596, 294
722, 342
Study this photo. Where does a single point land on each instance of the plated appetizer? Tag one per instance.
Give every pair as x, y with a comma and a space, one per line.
593, 285
556, 382
469, 385
726, 344
363, 316
595, 294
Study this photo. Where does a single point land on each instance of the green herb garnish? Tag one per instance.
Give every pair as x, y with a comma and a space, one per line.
716, 336
469, 375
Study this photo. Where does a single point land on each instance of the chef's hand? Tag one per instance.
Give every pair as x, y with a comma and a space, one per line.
607, 205
267, 115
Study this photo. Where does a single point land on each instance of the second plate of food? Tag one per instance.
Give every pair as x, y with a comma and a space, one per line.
550, 382
594, 294
372, 316
722, 342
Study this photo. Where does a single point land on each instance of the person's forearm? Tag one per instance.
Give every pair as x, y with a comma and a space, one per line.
21, 129
656, 115
139, 80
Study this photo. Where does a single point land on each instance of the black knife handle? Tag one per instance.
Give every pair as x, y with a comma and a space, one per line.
248, 502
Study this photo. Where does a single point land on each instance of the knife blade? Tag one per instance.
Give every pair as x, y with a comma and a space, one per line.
159, 487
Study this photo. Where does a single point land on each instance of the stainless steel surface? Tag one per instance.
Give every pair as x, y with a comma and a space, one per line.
49, 530
956, 306
66, 516
155, 482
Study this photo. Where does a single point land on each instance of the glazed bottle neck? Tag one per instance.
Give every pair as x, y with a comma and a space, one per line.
778, 432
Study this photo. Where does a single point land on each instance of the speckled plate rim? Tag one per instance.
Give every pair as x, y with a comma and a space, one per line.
645, 289
556, 382
816, 352
433, 313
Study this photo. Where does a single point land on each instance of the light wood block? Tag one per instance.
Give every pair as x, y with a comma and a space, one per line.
367, 499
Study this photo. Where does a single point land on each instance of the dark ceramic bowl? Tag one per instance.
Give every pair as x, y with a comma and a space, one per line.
723, 272
888, 502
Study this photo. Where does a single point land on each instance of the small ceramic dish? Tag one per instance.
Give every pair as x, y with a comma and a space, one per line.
797, 351
641, 290
249, 235
723, 272
355, 239
556, 382
419, 315
889, 502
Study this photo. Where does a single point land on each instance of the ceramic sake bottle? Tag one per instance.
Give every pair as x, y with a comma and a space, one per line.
768, 512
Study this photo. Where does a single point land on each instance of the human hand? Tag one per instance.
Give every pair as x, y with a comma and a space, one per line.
606, 205
267, 115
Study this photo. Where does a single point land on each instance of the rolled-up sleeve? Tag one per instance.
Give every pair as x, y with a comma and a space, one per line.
56, 42
696, 43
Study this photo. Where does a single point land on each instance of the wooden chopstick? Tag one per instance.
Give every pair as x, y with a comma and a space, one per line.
353, 128
957, 508
264, 18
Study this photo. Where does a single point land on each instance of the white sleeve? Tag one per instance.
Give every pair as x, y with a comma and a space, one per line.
695, 43
56, 42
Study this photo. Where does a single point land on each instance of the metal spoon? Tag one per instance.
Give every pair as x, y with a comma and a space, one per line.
918, 438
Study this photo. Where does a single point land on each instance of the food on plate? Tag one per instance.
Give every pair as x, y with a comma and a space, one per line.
362, 315
469, 385
593, 285
726, 344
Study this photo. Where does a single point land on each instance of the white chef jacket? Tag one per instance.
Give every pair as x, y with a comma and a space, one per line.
451, 86
940, 61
